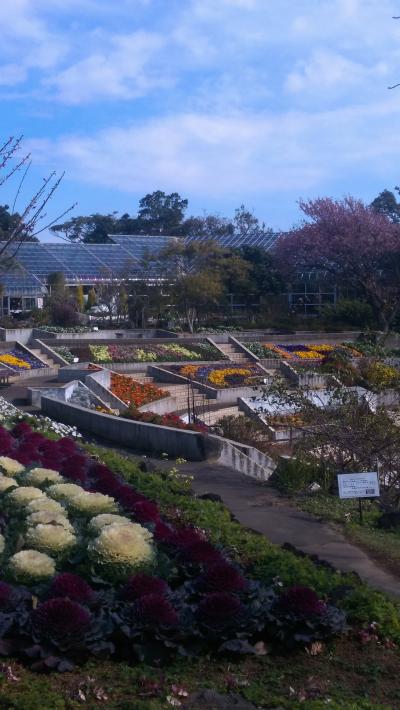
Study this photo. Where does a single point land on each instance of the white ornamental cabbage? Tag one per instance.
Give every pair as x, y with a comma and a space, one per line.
47, 504
22, 496
100, 521
31, 566
52, 539
39, 476
64, 491
121, 550
45, 517
10, 466
6, 483
90, 504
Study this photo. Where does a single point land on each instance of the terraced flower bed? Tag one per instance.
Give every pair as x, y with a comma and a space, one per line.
221, 376
19, 360
299, 351
135, 393
90, 567
168, 352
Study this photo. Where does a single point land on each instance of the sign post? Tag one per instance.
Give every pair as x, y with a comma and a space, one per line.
359, 485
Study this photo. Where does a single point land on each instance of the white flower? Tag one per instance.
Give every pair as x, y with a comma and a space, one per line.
23, 495
46, 504
64, 491
52, 539
100, 521
10, 466
46, 517
38, 476
91, 504
121, 549
6, 483
29, 566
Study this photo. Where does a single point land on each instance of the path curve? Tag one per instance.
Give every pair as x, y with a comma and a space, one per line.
261, 508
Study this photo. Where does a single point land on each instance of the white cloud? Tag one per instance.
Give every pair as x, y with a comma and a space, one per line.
326, 70
120, 71
219, 156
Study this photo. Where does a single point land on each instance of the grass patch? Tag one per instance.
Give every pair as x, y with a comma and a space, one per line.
383, 545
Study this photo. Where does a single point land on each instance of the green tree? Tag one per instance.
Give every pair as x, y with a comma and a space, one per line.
91, 299
387, 204
79, 298
56, 283
161, 213
93, 229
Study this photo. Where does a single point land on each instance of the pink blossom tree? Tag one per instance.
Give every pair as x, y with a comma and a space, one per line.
350, 242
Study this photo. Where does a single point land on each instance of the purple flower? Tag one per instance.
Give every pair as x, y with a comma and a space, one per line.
142, 585
26, 455
22, 430
222, 577
185, 537
128, 497
61, 622
146, 512
71, 586
301, 600
66, 445
219, 608
156, 609
7, 594
163, 532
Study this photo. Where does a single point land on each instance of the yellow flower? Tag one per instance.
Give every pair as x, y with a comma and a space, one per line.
52, 539
30, 566
22, 496
10, 466
307, 355
16, 361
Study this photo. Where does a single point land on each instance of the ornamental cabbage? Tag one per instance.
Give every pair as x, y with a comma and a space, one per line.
64, 491
45, 517
22, 496
90, 504
100, 521
31, 566
40, 476
46, 504
121, 550
10, 466
52, 539
6, 483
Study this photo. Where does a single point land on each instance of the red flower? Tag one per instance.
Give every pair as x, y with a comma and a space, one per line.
156, 609
301, 600
71, 586
21, 430
142, 584
202, 553
222, 577
219, 609
146, 512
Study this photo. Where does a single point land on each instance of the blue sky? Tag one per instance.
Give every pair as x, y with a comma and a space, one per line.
258, 102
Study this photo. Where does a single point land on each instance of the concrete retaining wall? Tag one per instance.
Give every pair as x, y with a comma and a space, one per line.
113, 334
312, 380
50, 352
10, 335
153, 439
244, 459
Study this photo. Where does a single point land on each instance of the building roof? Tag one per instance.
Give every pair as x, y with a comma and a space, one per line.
133, 255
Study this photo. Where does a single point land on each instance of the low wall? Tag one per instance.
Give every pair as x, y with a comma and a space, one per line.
10, 335
99, 383
244, 459
313, 380
112, 334
61, 394
190, 445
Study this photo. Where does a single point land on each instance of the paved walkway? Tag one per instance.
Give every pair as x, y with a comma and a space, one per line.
262, 509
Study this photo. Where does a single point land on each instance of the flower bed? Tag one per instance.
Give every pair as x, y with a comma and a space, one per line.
221, 376
310, 351
135, 393
263, 351
91, 568
171, 420
20, 361
168, 352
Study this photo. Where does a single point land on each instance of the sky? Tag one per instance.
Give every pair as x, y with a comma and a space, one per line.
228, 102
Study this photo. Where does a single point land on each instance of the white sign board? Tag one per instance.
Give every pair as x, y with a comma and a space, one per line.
358, 485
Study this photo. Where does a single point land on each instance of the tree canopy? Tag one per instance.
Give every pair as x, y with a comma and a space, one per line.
353, 243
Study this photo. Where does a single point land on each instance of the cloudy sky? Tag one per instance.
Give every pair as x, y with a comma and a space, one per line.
225, 101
